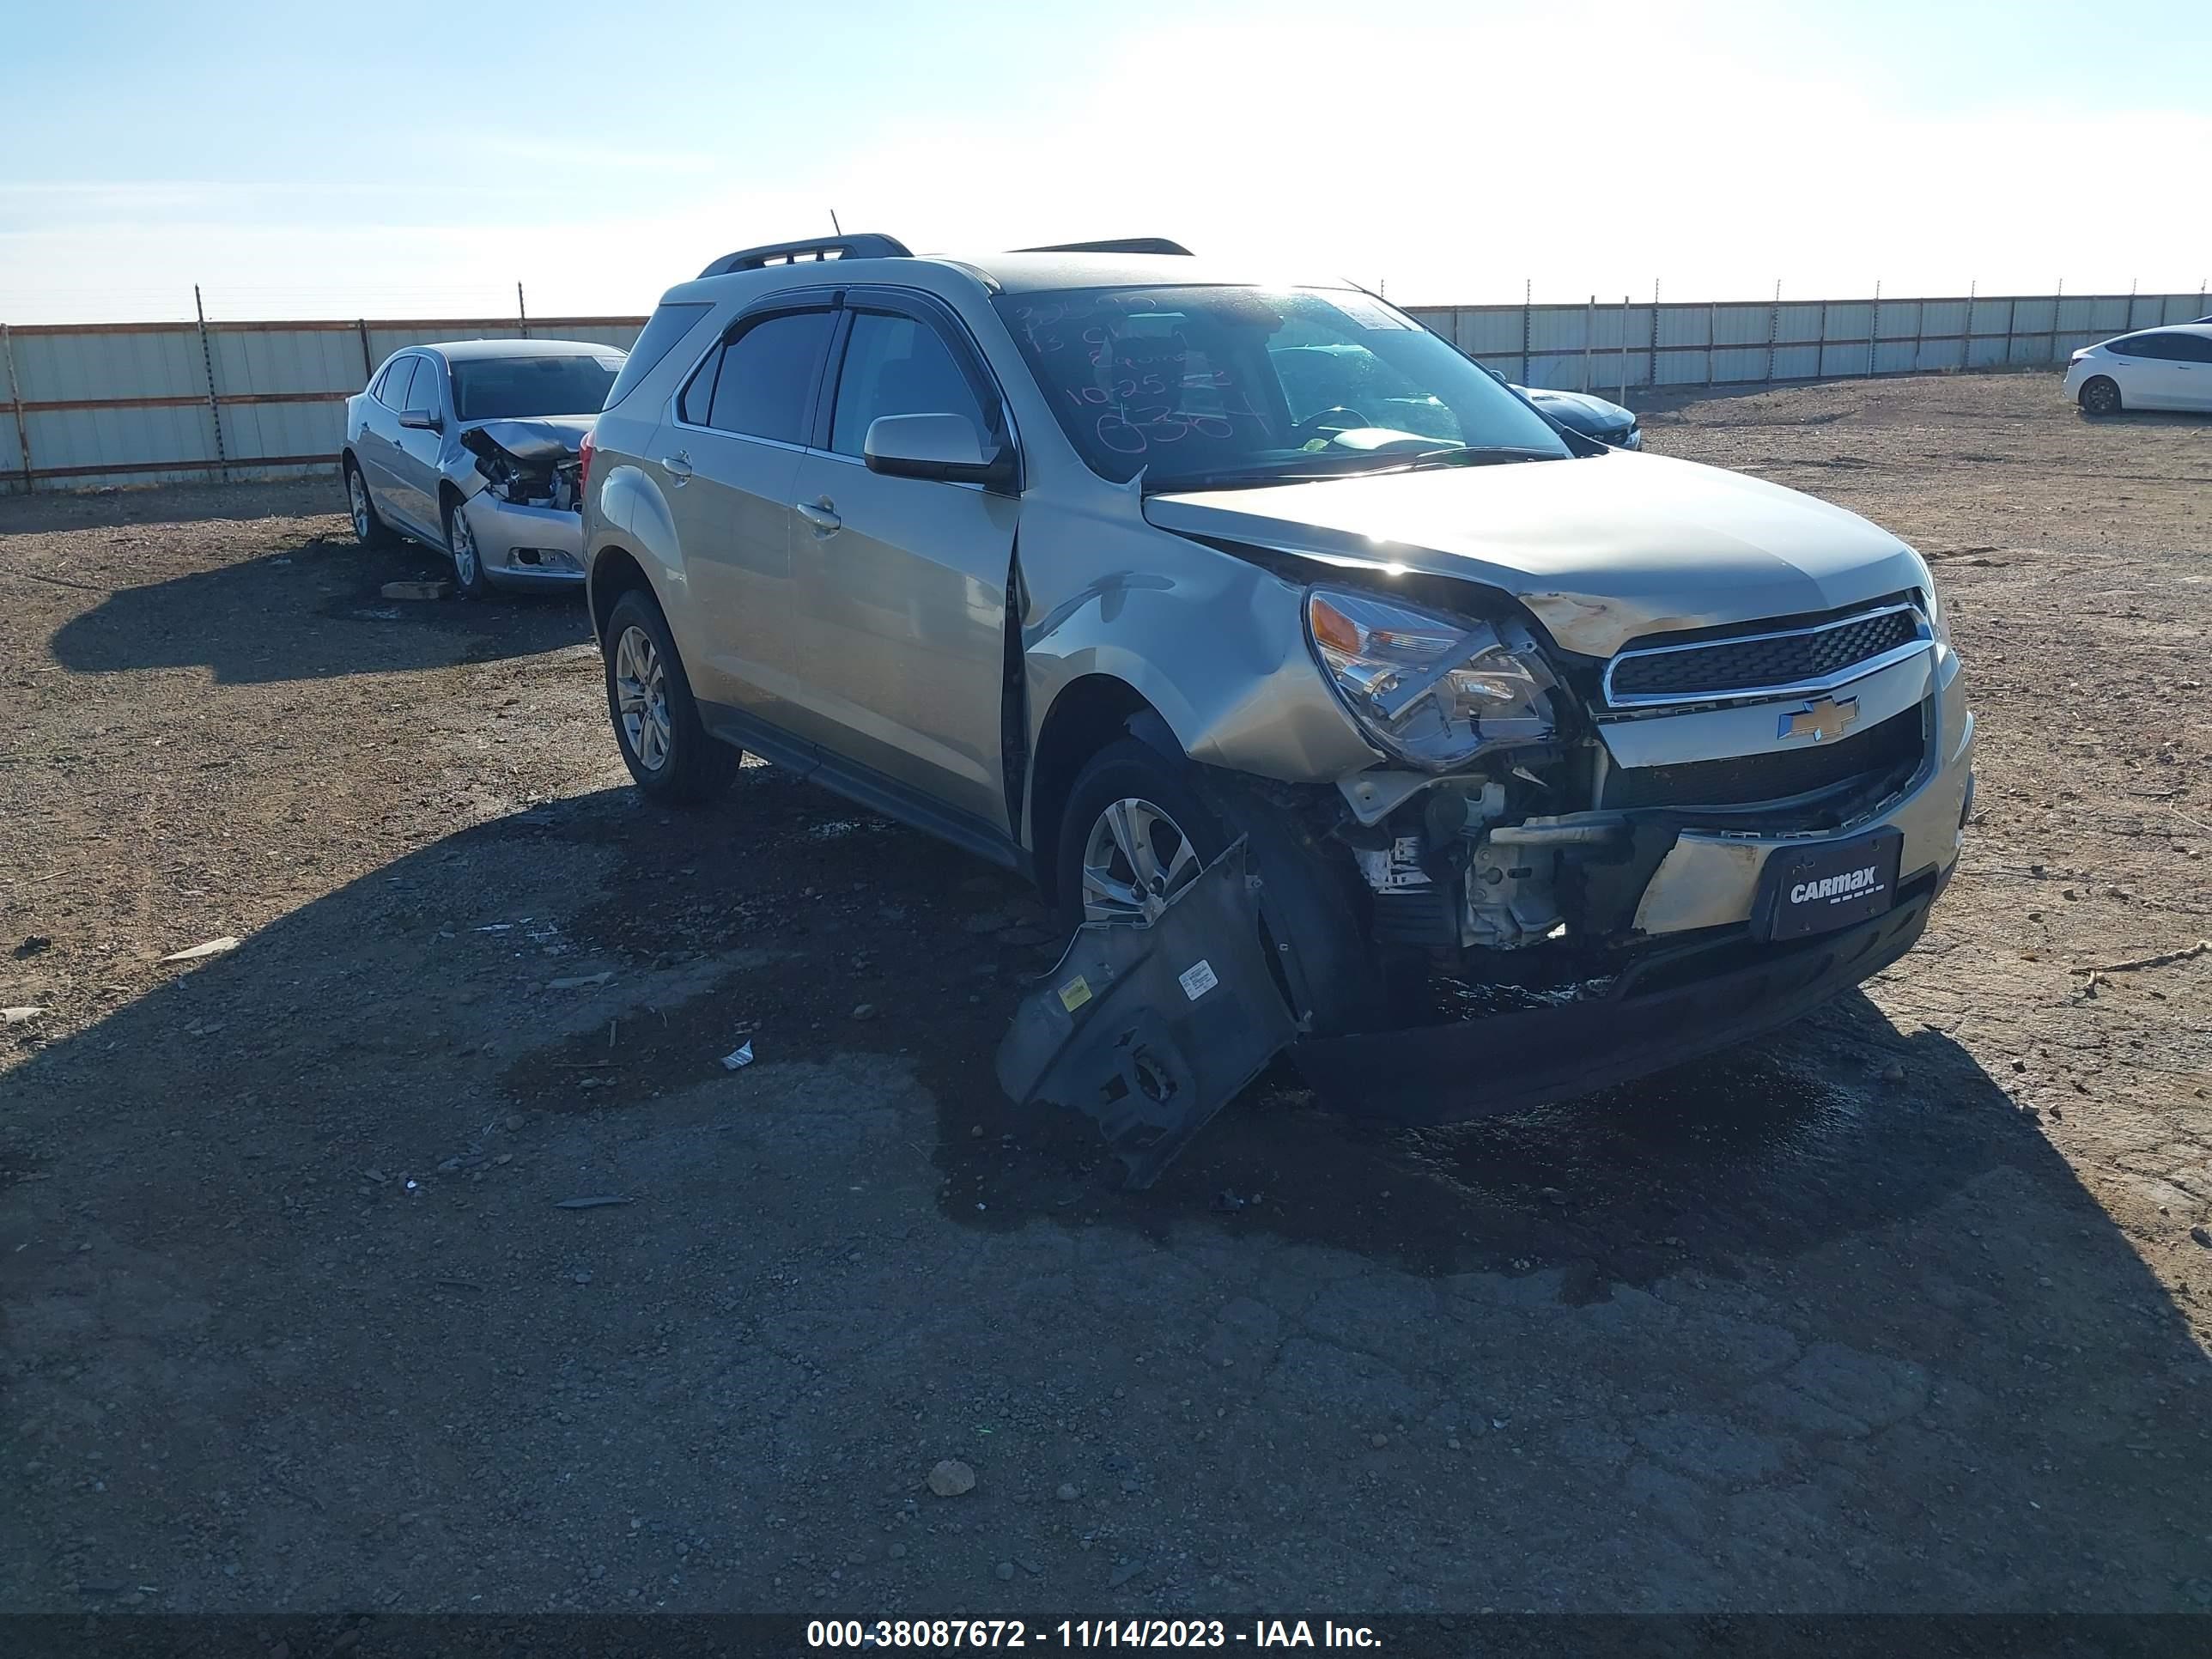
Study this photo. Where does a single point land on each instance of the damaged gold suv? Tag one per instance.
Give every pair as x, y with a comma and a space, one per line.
1357, 708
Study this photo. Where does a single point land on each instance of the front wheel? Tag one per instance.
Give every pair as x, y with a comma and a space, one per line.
2100, 395
1140, 825
469, 574
670, 753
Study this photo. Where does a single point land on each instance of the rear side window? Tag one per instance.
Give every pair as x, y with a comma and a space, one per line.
766, 382
897, 365
666, 326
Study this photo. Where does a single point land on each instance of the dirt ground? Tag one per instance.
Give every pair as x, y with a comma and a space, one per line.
1906, 1309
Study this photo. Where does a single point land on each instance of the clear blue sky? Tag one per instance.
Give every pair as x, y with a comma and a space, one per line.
419, 159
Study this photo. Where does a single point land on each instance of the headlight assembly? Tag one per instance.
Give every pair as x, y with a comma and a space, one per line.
1429, 688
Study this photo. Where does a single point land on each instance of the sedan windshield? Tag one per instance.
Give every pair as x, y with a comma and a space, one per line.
1205, 386
516, 388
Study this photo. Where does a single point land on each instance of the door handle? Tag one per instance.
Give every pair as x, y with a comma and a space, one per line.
822, 514
678, 465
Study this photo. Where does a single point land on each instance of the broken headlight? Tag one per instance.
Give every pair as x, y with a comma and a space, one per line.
1431, 689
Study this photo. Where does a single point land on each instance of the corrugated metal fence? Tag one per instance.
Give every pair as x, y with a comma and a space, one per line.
147, 403
144, 403
1595, 347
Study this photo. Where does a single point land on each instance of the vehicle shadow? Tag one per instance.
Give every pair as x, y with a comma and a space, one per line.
209, 1134
337, 622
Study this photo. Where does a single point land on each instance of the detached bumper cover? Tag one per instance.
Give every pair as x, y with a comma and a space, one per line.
1505, 1062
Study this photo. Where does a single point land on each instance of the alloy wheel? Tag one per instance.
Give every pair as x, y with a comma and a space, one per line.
464, 549
357, 499
641, 698
1136, 859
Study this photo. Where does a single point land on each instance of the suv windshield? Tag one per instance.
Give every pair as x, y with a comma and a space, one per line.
515, 388
1197, 387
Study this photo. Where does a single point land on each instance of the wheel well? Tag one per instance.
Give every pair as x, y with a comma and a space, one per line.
614, 574
1087, 715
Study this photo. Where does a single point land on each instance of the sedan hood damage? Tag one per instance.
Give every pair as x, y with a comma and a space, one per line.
529, 463
1600, 550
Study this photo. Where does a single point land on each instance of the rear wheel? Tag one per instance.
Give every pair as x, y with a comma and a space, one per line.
1138, 827
670, 753
2100, 395
368, 529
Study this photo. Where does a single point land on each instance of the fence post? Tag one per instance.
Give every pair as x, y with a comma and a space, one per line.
521, 311
2012, 322
367, 363
1773, 329
1655, 334
215, 404
1821, 352
1528, 299
1966, 337
2057, 312
1623, 348
1874, 328
1589, 333
16, 397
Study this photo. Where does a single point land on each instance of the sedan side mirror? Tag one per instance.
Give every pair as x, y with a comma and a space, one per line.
423, 420
943, 447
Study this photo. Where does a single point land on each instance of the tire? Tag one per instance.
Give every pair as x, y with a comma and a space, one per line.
470, 578
2099, 395
368, 529
673, 758
1308, 907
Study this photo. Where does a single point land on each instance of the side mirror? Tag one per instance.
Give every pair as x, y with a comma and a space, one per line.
423, 420
944, 448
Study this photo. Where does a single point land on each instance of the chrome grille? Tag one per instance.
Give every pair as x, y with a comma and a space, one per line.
1792, 659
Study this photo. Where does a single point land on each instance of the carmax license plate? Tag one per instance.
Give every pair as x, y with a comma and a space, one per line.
1829, 884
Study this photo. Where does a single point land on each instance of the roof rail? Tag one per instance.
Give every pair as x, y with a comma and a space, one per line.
859, 246
1119, 245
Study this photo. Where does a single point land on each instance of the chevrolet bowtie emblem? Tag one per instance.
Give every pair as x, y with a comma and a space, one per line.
1821, 720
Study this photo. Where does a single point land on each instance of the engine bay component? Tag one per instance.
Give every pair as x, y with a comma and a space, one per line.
527, 463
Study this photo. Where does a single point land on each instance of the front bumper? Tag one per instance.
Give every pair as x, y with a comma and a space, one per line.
527, 545
1669, 1009
1702, 980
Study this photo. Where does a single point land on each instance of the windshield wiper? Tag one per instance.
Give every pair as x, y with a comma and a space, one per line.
1480, 455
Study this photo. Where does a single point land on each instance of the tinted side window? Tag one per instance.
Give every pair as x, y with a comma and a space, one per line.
666, 327
394, 395
698, 399
2191, 348
897, 365
2152, 346
428, 391
766, 385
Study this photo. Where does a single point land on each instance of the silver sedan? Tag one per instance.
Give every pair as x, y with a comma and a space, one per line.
471, 446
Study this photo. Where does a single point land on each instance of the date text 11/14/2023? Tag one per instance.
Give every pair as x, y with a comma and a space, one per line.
944, 1633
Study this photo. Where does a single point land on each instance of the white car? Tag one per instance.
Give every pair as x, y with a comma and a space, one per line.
2153, 368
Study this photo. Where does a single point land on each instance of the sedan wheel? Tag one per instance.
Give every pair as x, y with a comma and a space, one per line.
468, 563
641, 698
357, 498
2101, 396
1136, 859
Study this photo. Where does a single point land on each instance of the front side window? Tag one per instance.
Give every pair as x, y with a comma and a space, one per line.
897, 365
1215, 385
2190, 348
391, 391
428, 391
519, 388
765, 386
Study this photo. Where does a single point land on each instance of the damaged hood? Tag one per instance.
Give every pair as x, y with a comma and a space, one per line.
545, 440
1601, 550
